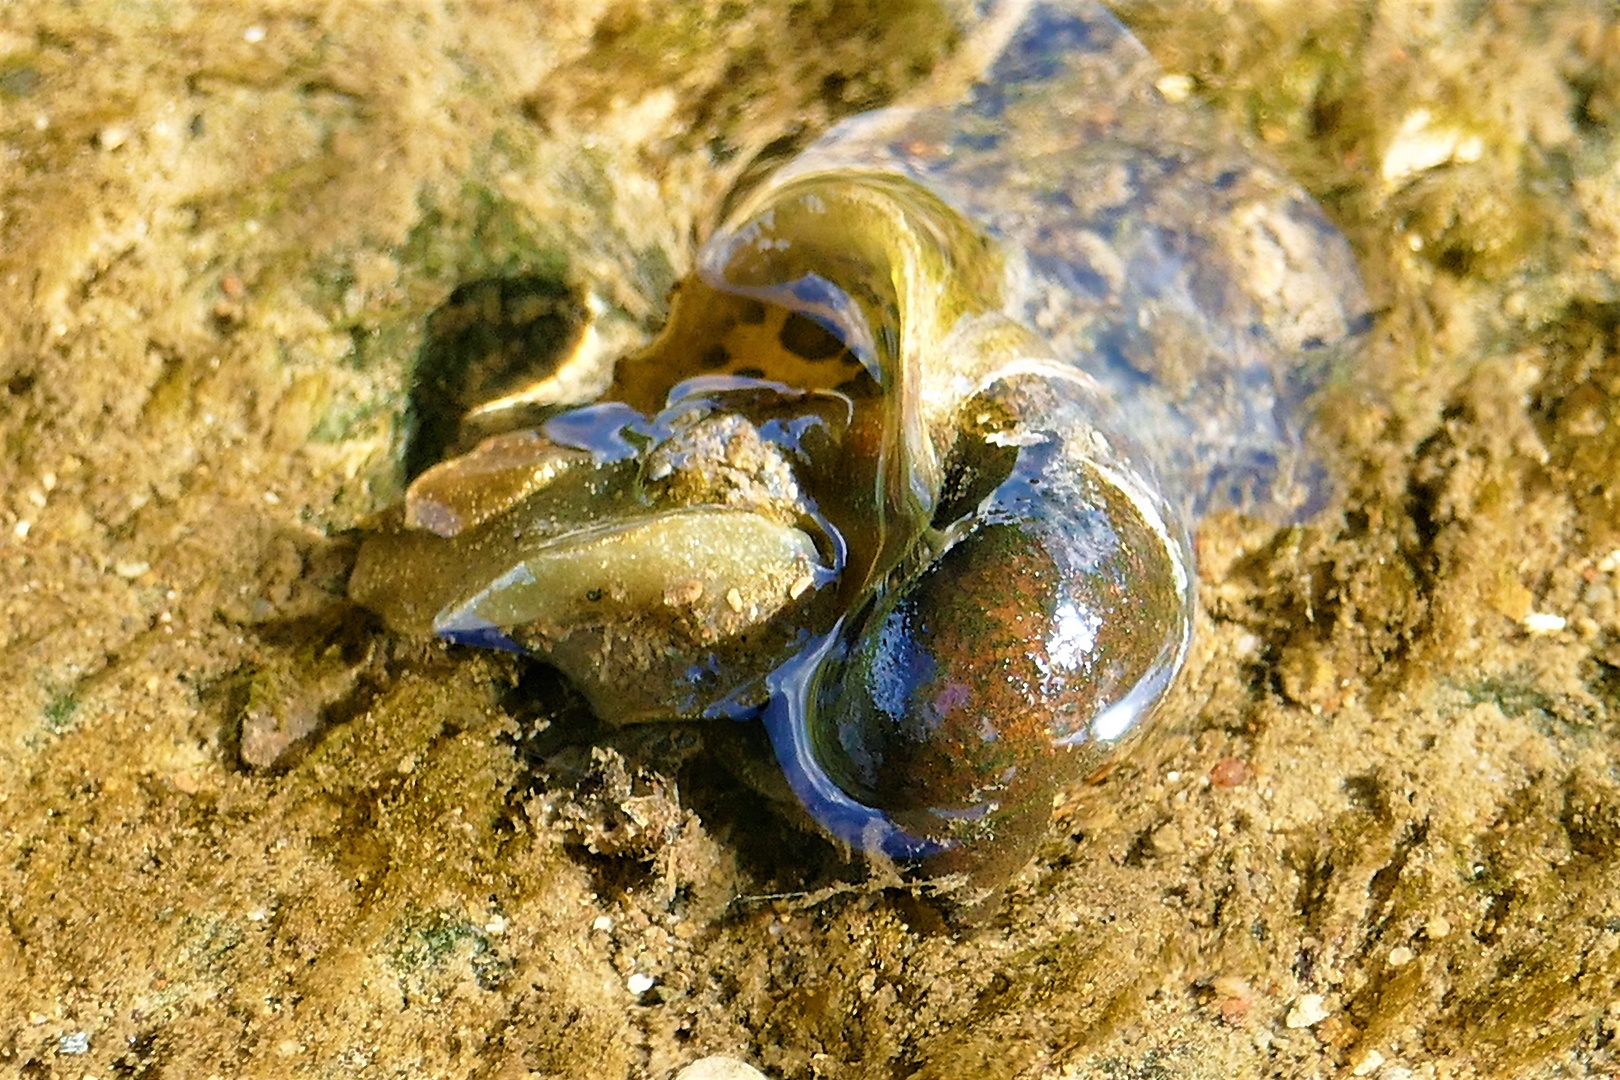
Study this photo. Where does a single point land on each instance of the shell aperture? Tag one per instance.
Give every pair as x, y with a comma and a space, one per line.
912, 470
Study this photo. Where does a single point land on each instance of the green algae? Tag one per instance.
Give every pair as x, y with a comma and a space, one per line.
478, 234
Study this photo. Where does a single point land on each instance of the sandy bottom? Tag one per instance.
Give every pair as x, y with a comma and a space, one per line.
1381, 839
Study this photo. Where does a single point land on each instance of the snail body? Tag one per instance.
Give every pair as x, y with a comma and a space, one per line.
913, 470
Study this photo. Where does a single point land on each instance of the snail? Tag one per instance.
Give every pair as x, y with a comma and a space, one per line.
911, 473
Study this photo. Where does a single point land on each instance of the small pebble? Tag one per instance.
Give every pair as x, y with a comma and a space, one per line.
1400, 956
1236, 998
1437, 927
1369, 1063
1420, 145
1542, 622
683, 593
77, 1042
1308, 1010
1229, 772
719, 1067
640, 983
1176, 88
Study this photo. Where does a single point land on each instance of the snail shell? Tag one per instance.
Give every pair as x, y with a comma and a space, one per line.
1187, 301
1030, 332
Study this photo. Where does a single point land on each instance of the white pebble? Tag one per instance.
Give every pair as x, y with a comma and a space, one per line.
1542, 622
602, 922
719, 1067
1308, 1010
1176, 88
640, 983
1420, 145
1400, 956
1369, 1063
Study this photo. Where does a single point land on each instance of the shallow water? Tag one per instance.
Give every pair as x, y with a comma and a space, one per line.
1387, 827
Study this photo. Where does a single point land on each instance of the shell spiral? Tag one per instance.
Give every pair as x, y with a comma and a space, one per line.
1134, 316
1039, 325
